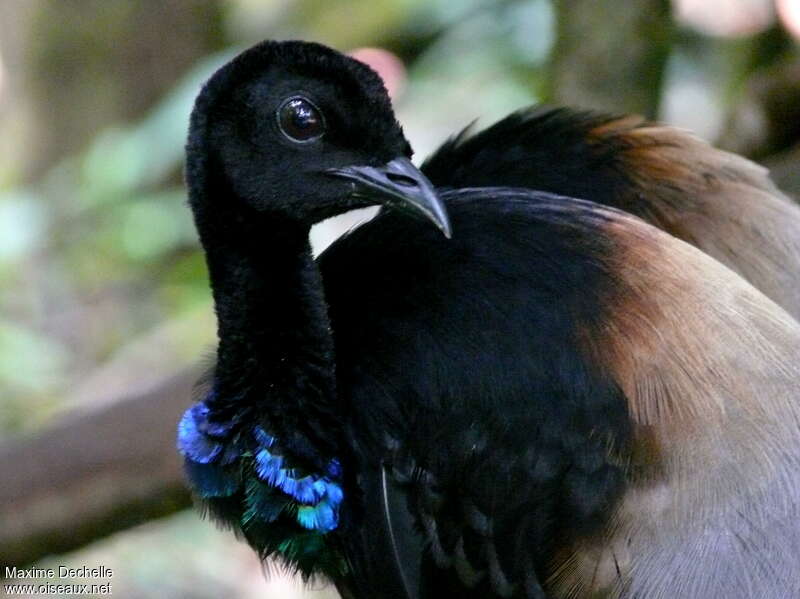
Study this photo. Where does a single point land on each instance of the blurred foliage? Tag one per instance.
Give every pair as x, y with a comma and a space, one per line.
103, 285
97, 252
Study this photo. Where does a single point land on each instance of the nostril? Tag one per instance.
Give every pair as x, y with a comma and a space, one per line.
403, 180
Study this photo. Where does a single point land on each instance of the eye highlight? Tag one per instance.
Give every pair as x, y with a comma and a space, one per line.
300, 120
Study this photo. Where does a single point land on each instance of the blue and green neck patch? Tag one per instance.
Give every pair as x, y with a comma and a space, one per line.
251, 483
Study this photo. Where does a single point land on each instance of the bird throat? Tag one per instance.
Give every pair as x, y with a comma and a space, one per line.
262, 447
275, 350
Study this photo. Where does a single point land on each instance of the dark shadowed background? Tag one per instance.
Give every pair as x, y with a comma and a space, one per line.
105, 314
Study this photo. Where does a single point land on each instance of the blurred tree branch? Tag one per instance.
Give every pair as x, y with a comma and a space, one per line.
766, 118
764, 122
610, 58
93, 474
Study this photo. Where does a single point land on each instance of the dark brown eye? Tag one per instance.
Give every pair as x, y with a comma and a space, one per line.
300, 120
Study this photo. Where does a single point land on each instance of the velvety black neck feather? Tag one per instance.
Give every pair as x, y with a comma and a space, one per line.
275, 353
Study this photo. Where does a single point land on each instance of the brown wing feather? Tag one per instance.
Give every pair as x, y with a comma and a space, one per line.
711, 370
719, 202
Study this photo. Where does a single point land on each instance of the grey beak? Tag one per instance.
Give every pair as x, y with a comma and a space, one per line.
398, 184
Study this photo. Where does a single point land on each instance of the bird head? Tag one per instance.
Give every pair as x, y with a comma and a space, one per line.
301, 131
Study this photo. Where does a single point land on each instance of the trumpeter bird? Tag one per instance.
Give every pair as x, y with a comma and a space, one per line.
483, 392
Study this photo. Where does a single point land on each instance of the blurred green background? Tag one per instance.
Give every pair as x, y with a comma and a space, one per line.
103, 290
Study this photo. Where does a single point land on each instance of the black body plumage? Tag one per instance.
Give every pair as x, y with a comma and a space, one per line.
458, 358
417, 416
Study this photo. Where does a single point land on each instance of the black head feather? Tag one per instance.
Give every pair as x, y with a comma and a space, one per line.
236, 145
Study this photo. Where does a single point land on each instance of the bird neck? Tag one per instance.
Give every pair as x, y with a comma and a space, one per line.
275, 353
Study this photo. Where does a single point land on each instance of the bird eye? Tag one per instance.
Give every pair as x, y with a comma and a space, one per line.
300, 120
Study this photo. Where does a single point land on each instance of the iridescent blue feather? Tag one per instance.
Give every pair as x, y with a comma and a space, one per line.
217, 456
303, 489
263, 439
321, 517
263, 503
192, 442
268, 467
212, 480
